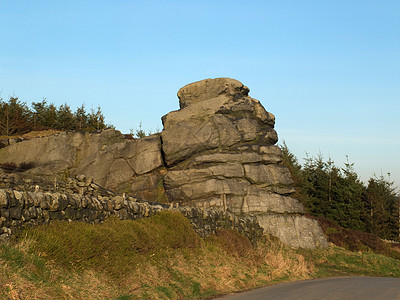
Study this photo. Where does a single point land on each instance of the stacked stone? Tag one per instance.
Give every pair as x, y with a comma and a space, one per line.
80, 184
24, 209
20, 183
206, 221
6, 181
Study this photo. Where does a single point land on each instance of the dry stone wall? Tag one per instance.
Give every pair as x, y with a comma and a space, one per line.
20, 210
216, 152
80, 185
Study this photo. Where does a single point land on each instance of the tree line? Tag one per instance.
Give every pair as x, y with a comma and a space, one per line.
337, 193
16, 117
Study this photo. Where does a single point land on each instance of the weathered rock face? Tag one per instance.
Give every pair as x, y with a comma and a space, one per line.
114, 162
217, 151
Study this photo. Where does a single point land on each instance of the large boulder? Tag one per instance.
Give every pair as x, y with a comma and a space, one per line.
220, 143
219, 150
209, 89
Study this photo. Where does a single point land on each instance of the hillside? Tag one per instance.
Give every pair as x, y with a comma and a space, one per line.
208, 206
162, 258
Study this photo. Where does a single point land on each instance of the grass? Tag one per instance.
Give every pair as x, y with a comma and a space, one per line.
80, 245
337, 261
41, 132
161, 258
355, 240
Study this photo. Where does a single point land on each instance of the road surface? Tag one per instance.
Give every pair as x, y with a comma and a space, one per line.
343, 288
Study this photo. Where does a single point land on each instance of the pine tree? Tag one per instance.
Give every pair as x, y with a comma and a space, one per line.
96, 119
383, 206
316, 186
339, 194
81, 118
15, 117
140, 133
45, 115
290, 161
65, 118
351, 194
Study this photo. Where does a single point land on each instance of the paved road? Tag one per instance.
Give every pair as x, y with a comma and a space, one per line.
343, 288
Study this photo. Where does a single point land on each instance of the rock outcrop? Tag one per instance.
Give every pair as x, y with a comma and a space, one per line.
219, 150
216, 152
111, 160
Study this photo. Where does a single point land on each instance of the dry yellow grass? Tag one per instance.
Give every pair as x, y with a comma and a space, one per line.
33, 134
215, 270
40, 133
168, 275
178, 266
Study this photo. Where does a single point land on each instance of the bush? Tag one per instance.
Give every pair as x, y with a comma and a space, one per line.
8, 167
232, 242
355, 240
12, 167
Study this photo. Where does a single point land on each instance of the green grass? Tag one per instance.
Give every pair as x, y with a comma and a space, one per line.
162, 258
337, 261
18, 259
114, 245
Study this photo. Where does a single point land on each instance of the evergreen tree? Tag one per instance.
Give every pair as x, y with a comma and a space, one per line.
316, 186
290, 161
45, 115
328, 191
15, 117
81, 118
351, 194
140, 133
383, 206
96, 119
65, 118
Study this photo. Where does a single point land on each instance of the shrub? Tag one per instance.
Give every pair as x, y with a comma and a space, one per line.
232, 242
355, 240
12, 167
8, 167
25, 166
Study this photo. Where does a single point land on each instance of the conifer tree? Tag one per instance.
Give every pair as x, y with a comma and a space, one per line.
15, 117
81, 118
65, 118
351, 194
383, 206
45, 115
96, 119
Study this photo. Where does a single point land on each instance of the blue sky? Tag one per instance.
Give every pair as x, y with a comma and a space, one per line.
328, 70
